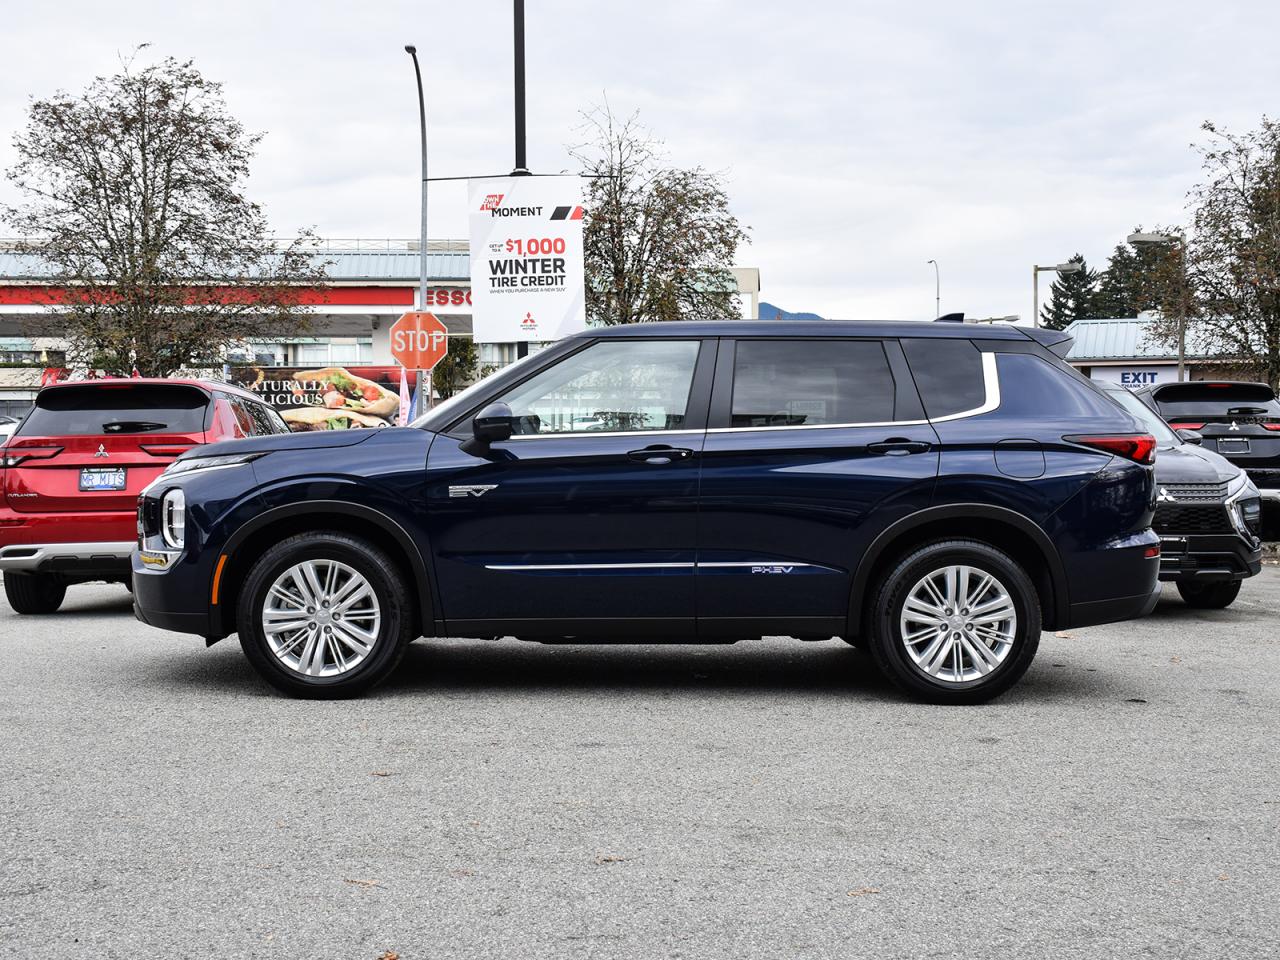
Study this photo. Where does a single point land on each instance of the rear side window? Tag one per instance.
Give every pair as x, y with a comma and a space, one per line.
1037, 389
795, 383
948, 374
116, 407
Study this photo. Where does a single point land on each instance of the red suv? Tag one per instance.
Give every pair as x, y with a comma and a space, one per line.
72, 472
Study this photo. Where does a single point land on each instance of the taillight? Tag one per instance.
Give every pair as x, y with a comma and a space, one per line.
1138, 447
1180, 425
16, 455
166, 449
1272, 426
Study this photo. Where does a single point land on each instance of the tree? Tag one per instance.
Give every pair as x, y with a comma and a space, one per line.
1071, 297
1226, 274
658, 241
1130, 283
459, 367
134, 199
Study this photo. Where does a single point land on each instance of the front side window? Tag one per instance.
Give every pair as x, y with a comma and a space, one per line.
613, 386
802, 383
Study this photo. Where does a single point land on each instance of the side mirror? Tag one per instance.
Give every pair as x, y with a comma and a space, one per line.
1191, 436
493, 424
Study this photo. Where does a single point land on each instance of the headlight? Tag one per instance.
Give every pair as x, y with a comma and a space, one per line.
173, 518
186, 465
1244, 505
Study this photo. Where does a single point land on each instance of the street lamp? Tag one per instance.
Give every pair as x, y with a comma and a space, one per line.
937, 290
1069, 267
1175, 242
412, 51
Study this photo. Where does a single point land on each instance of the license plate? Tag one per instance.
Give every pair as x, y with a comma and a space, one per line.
1233, 446
102, 478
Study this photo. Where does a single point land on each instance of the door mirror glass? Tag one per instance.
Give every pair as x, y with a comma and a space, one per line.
1191, 436
613, 386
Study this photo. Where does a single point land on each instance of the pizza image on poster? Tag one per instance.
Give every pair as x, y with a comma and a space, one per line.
329, 398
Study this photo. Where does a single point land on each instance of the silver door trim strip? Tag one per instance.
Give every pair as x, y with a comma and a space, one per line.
601, 433
641, 566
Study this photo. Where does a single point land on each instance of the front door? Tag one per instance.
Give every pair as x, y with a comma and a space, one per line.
586, 518
813, 447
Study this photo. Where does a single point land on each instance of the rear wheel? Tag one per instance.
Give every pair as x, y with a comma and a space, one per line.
1209, 596
956, 621
34, 592
324, 615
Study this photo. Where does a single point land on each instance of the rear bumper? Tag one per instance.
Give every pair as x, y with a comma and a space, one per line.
1123, 580
73, 559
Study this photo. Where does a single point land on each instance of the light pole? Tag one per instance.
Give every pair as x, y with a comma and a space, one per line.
1175, 242
937, 290
410, 49
1068, 267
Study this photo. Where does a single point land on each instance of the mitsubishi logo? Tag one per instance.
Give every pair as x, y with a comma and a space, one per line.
102, 451
1166, 497
1234, 426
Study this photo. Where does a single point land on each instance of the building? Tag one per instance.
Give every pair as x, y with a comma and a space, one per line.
1121, 350
371, 283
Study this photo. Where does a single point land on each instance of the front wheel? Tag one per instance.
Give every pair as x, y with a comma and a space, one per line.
34, 592
324, 615
957, 621
1209, 596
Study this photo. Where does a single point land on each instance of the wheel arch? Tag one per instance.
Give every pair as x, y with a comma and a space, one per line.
247, 543
1001, 527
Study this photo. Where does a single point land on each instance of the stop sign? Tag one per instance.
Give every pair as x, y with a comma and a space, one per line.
419, 341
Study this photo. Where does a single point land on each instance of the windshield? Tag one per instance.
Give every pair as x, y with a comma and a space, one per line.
460, 401
1163, 433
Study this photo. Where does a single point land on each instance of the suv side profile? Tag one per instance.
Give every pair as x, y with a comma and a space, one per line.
71, 474
933, 493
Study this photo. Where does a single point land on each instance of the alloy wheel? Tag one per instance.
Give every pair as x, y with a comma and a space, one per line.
958, 624
321, 618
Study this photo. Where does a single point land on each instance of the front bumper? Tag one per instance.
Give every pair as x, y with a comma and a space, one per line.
88, 560
157, 591
1208, 557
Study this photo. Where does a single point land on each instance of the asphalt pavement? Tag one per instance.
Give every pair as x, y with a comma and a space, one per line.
770, 799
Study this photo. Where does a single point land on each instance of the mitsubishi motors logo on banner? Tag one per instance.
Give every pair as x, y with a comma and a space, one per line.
526, 258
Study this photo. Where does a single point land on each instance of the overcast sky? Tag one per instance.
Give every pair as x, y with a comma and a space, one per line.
858, 140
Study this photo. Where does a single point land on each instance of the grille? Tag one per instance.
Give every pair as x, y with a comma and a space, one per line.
1183, 518
1196, 492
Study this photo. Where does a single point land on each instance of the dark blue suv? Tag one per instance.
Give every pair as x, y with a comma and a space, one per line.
933, 493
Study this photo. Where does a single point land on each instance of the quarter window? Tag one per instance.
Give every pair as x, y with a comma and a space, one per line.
800, 383
612, 386
948, 374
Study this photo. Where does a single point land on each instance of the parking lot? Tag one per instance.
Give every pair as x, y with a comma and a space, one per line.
768, 799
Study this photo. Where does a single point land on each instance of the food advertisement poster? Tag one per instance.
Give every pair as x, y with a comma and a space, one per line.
327, 398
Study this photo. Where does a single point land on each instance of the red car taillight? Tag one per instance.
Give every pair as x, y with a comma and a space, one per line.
1271, 426
16, 455
1138, 447
1179, 425
166, 449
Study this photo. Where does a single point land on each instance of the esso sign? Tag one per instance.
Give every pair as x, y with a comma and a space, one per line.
419, 341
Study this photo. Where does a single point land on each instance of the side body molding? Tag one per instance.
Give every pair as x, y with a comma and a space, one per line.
870, 564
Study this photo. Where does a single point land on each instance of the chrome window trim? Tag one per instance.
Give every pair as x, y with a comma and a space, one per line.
673, 565
601, 433
991, 385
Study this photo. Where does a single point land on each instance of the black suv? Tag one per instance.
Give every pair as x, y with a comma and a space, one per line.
1208, 514
1241, 421
933, 492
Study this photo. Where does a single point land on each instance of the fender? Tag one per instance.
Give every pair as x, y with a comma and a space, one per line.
867, 566
367, 514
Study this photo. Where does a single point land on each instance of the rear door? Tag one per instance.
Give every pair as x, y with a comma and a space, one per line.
813, 447
1241, 421
94, 446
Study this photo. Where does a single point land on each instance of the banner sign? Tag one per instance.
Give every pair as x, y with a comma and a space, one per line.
526, 258
328, 398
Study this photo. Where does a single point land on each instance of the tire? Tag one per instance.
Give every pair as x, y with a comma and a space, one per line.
1011, 642
308, 661
1209, 596
34, 592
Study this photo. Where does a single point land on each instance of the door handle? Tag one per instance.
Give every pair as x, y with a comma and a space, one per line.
658, 455
898, 447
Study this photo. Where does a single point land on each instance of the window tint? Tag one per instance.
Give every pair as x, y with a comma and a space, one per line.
612, 386
244, 417
791, 383
1045, 391
264, 418
116, 407
948, 374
